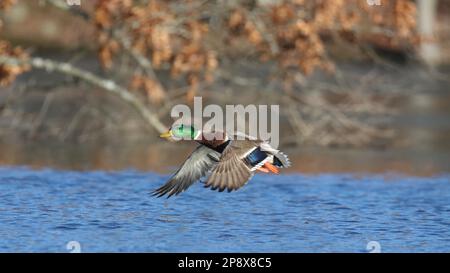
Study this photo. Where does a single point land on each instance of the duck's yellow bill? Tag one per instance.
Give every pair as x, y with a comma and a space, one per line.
166, 134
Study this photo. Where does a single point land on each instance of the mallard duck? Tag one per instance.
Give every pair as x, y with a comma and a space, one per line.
228, 163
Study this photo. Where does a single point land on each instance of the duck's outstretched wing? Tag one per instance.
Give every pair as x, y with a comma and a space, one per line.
231, 172
202, 160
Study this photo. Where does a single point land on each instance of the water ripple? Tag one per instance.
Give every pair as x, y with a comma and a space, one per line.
113, 211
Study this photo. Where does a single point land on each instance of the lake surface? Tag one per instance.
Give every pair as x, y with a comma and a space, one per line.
43, 210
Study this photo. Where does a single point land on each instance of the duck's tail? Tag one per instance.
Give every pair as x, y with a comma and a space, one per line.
281, 160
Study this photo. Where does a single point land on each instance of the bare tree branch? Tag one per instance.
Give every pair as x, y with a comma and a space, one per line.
143, 62
107, 85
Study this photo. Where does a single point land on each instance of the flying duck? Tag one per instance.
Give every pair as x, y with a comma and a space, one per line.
227, 163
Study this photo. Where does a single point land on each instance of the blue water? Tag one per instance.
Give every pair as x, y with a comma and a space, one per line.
113, 212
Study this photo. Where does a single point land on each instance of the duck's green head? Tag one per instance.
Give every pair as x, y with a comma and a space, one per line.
181, 131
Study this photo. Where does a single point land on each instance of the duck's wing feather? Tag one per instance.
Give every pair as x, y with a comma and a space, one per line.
231, 172
202, 160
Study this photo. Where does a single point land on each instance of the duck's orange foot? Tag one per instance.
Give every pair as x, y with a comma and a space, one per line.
262, 169
271, 168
